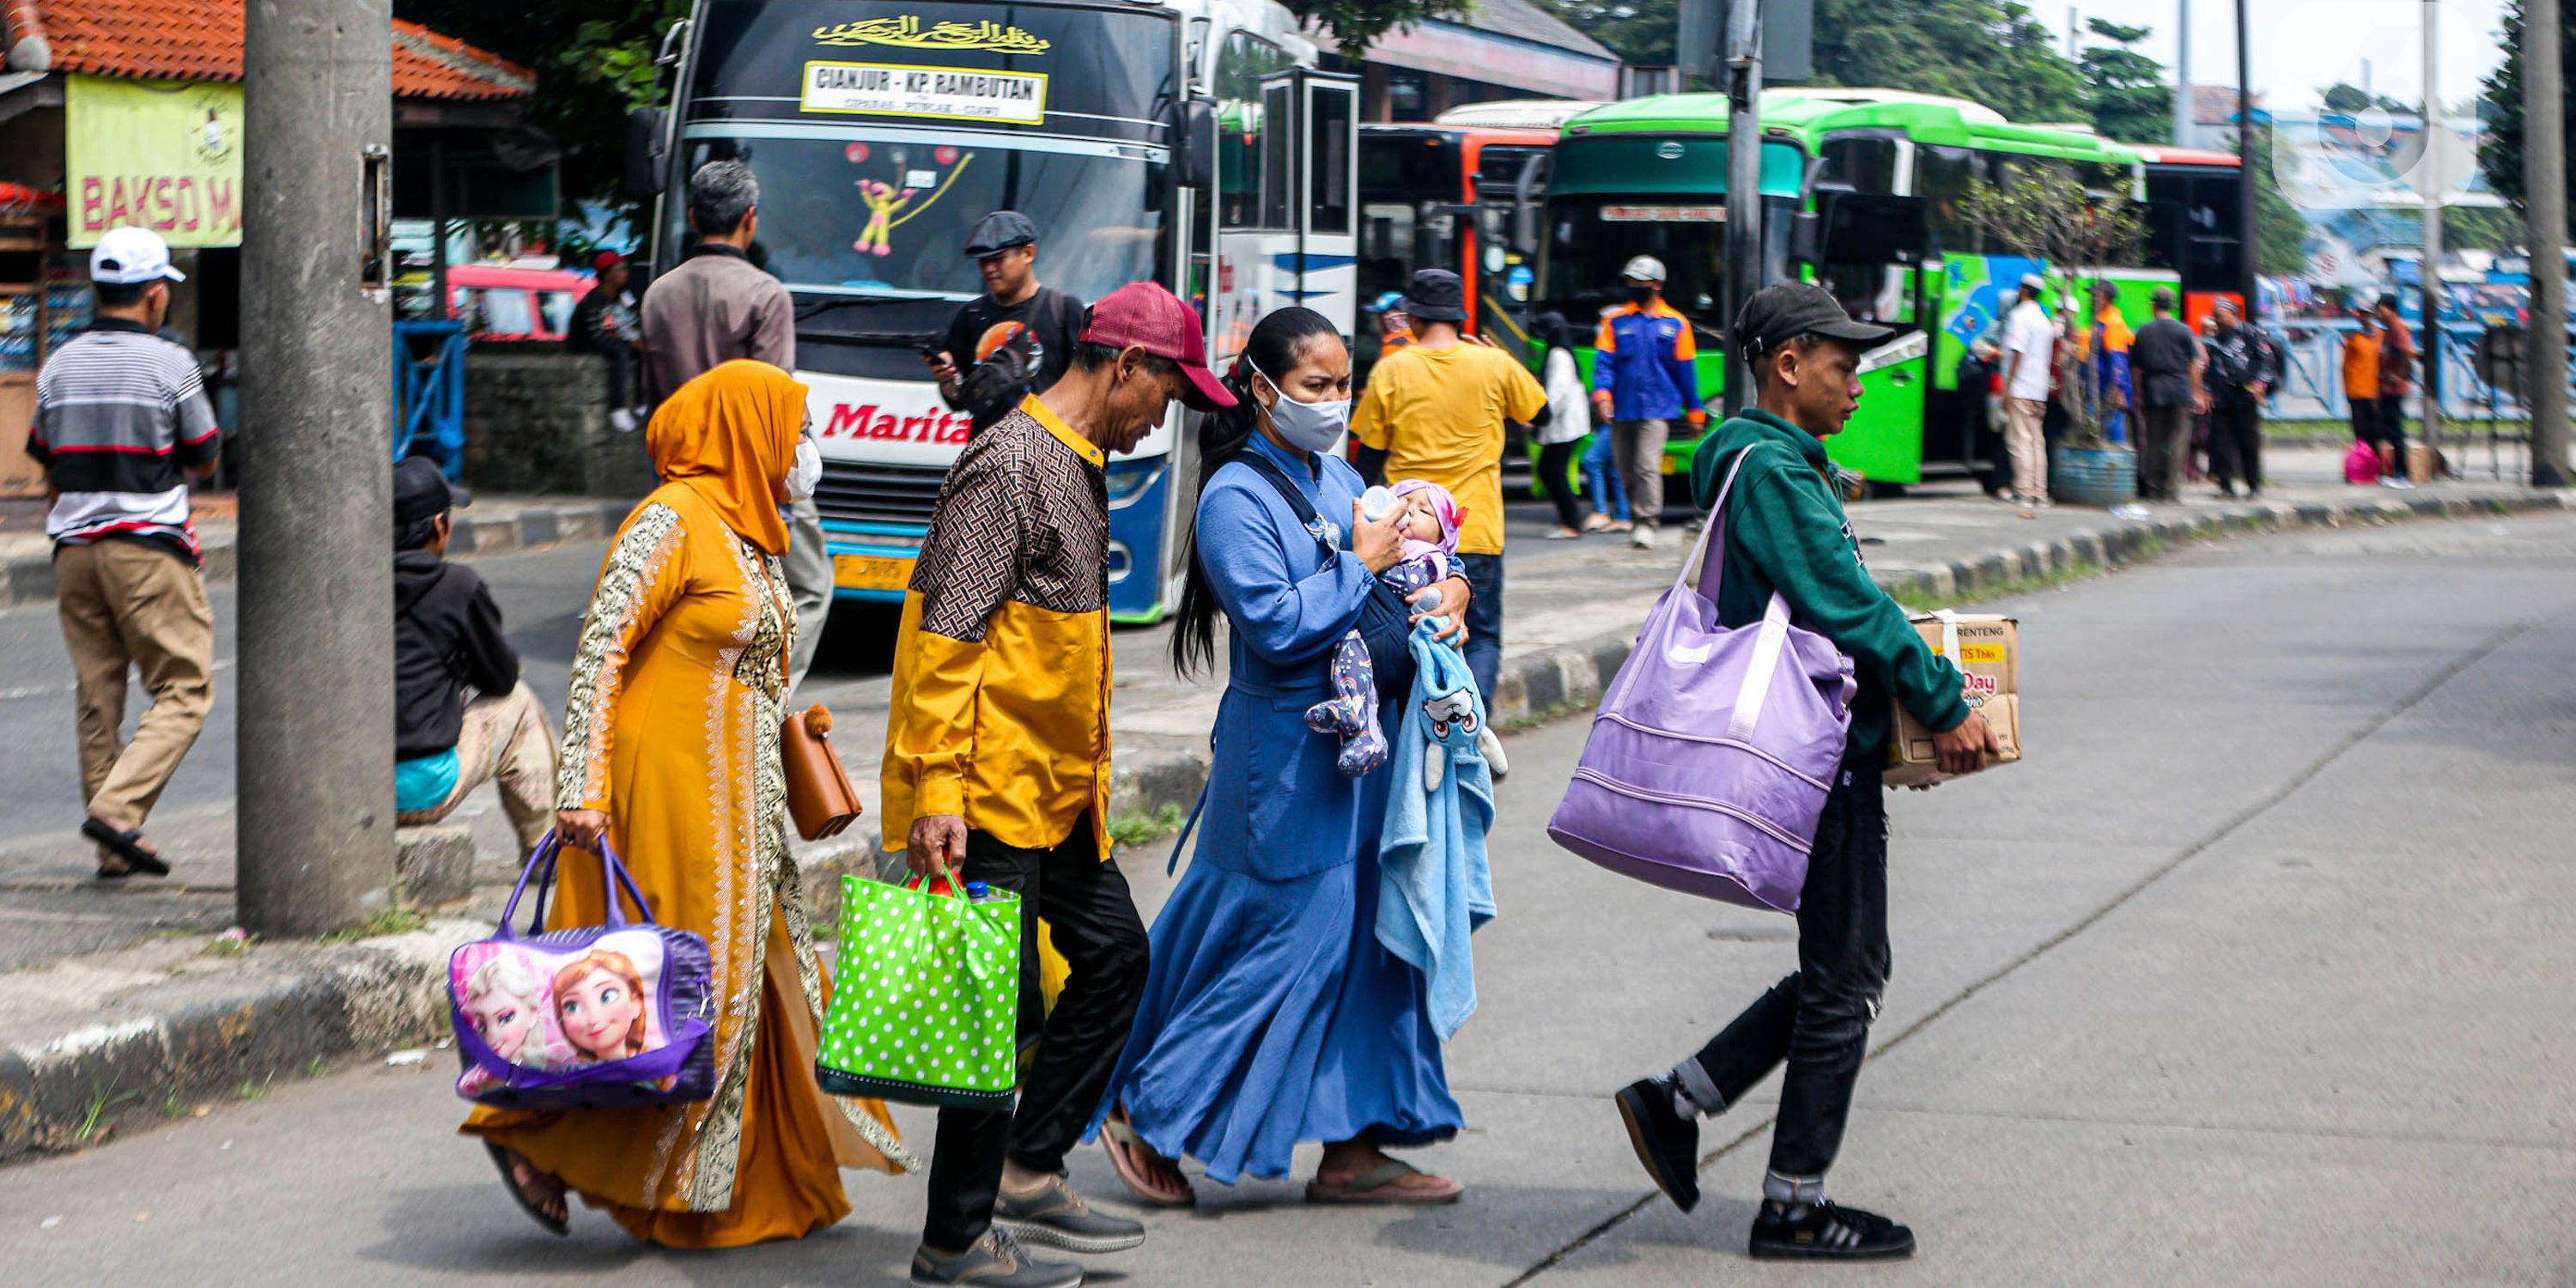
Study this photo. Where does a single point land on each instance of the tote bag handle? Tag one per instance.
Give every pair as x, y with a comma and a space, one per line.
613, 876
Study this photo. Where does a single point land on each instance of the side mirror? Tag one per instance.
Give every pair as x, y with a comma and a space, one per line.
644, 131
1527, 192
1807, 238
1198, 144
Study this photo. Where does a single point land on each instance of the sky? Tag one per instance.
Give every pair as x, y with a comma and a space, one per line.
2302, 46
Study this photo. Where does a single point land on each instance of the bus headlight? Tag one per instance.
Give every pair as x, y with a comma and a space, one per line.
1121, 562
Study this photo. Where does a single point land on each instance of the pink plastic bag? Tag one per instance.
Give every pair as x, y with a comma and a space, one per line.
2361, 464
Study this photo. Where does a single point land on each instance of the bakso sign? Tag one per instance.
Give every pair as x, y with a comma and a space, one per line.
884, 89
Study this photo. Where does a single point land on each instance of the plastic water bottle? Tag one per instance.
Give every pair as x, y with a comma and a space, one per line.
977, 892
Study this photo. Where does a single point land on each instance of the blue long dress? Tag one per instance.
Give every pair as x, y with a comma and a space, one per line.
1271, 1014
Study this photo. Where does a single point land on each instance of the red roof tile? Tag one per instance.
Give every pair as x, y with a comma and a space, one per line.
202, 40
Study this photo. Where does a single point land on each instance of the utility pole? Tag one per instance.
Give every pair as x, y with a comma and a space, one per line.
2182, 74
2428, 337
2544, 169
314, 821
1743, 184
2247, 216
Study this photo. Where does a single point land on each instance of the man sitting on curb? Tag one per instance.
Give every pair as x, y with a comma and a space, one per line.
1786, 531
447, 637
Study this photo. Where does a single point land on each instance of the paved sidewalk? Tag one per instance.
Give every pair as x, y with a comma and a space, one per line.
1572, 612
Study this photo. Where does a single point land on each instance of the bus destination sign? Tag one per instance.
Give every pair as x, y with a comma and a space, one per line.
1663, 214
945, 93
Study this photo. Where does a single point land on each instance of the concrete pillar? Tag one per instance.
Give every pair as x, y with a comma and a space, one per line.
315, 822
2544, 185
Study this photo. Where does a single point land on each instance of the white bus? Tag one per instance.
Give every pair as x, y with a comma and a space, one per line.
1191, 143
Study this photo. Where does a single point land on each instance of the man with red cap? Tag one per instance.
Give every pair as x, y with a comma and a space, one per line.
997, 768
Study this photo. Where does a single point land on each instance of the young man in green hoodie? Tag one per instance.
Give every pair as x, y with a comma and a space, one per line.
1786, 531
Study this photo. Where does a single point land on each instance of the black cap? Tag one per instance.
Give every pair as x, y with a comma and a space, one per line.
1778, 314
422, 493
1436, 295
1000, 231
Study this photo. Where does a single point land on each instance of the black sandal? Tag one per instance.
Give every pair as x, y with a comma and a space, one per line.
126, 845
554, 1225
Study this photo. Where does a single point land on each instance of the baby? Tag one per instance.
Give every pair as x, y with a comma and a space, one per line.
1429, 530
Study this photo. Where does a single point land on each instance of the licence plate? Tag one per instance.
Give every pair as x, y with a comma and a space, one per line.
871, 572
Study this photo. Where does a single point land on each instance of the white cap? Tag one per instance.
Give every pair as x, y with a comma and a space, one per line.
2033, 282
130, 257
1644, 268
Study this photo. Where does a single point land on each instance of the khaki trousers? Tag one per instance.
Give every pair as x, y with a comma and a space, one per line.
505, 741
809, 583
2029, 448
1638, 448
127, 606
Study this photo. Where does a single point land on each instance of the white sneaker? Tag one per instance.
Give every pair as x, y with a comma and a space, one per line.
1641, 537
621, 420
2398, 482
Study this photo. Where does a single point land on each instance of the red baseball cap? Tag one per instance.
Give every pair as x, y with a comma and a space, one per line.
1146, 316
607, 260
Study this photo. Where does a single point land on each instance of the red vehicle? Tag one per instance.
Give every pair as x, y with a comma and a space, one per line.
2192, 225
503, 303
1418, 187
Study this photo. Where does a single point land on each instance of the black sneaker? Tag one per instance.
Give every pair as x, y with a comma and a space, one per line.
995, 1261
1824, 1232
1058, 1218
1667, 1143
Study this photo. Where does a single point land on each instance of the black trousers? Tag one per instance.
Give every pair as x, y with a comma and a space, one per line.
2236, 446
1553, 462
2164, 449
1484, 650
2390, 426
1092, 920
1818, 1018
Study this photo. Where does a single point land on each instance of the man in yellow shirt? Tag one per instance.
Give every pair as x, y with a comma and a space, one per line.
1436, 409
997, 768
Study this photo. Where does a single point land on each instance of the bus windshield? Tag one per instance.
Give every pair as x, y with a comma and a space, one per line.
887, 212
1590, 238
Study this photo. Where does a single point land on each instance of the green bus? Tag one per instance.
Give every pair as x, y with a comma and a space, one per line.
1860, 193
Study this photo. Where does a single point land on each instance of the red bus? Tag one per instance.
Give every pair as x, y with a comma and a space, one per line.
2192, 224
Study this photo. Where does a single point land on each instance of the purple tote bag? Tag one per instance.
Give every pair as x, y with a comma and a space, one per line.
1710, 757
589, 1017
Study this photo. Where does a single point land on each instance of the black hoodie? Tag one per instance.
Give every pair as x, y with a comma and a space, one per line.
447, 636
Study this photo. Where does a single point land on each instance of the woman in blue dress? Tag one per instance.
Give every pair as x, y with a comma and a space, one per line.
1271, 1015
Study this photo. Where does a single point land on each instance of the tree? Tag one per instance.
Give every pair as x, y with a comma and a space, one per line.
1641, 32
2280, 231
2352, 101
2043, 212
2130, 99
2501, 151
1359, 24
2481, 228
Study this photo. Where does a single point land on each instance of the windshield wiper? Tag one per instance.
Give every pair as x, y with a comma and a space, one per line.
836, 302
903, 339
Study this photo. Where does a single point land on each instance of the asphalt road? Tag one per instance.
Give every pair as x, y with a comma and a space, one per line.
2254, 973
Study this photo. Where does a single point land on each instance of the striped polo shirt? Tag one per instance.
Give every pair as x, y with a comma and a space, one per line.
120, 412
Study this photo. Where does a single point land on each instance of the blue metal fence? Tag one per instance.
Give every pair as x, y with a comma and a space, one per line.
429, 392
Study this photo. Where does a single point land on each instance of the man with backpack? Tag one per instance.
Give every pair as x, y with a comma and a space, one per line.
1786, 532
1014, 339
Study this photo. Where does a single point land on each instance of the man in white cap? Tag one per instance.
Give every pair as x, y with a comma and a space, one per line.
122, 424
1645, 376
2029, 341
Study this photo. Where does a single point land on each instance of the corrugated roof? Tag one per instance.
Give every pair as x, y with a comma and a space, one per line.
1523, 20
202, 40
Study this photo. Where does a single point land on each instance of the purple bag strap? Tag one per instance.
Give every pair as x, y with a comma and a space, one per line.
663, 1062
1712, 539
613, 875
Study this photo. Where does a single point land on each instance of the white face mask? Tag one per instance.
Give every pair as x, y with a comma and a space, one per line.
806, 473
1308, 426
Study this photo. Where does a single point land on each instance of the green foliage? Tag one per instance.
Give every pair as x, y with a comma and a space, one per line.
1642, 32
2131, 102
2044, 213
2481, 228
392, 919
2352, 101
2501, 151
2280, 233
1360, 23
1135, 830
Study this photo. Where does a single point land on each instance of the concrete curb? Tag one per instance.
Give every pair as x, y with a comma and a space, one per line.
210, 1024
28, 578
200, 1026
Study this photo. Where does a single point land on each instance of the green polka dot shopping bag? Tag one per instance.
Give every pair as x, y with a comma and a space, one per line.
926, 999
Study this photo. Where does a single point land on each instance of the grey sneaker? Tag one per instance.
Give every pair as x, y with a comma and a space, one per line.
1642, 537
1056, 1217
995, 1260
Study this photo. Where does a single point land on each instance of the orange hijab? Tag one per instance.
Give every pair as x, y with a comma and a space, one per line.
729, 436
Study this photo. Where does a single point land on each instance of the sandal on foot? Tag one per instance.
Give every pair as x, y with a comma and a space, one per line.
1126, 1150
1378, 1185
553, 1224
126, 845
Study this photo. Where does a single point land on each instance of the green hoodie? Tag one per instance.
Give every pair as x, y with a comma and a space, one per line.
1786, 530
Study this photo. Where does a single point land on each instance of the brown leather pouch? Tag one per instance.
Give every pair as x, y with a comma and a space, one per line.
819, 796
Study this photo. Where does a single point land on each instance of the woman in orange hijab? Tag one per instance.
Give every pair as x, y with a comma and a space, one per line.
671, 751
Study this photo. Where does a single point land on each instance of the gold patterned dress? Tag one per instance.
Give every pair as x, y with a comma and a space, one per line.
672, 729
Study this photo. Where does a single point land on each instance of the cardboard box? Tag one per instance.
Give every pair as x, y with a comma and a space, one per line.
1987, 649
2419, 462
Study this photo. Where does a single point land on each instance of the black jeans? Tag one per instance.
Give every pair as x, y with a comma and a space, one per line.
2164, 450
2236, 446
1553, 462
2390, 425
1484, 650
1092, 920
1818, 1018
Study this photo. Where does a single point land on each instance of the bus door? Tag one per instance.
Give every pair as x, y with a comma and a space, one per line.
1327, 150
1870, 252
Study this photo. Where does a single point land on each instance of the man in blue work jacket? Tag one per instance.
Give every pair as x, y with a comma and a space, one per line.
1645, 377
